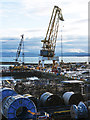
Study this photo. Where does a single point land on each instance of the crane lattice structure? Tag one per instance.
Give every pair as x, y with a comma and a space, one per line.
21, 44
49, 43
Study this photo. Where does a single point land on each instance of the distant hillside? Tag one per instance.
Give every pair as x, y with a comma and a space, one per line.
74, 54
31, 54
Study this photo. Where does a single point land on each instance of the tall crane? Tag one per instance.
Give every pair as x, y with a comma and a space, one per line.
49, 43
21, 44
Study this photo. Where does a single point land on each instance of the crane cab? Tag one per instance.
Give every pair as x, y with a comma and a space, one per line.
47, 53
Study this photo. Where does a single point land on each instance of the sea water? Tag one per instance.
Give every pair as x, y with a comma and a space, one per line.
36, 59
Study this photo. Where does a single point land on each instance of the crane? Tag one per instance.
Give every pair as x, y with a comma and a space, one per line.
18, 66
21, 44
49, 43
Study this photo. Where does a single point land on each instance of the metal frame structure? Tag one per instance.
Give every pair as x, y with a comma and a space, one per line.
49, 43
21, 44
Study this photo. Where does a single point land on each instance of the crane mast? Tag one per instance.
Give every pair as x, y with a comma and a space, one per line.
49, 43
21, 44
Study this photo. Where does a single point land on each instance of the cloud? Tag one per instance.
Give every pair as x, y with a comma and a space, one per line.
75, 50
31, 18
34, 44
72, 39
13, 50
9, 7
15, 33
34, 30
30, 44
82, 21
34, 47
9, 50
9, 38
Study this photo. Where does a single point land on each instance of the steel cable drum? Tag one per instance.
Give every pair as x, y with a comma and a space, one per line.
48, 99
72, 98
79, 112
16, 107
5, 92
31, 98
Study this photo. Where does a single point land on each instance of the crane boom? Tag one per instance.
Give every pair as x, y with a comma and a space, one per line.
19, 49
49, 42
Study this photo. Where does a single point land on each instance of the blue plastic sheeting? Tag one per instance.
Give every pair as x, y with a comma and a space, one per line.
5, 92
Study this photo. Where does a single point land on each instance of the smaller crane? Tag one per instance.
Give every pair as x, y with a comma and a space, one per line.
18, 66
21, 44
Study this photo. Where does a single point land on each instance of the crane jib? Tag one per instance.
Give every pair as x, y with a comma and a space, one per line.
49, 43
21, 44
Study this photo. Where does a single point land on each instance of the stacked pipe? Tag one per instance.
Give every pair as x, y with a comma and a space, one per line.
16, 106
82, 111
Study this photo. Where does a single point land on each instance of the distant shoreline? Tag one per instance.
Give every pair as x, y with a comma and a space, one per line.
32, 54
56, 55
29, 63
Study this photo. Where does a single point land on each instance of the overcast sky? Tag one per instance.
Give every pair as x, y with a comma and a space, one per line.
31, 18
